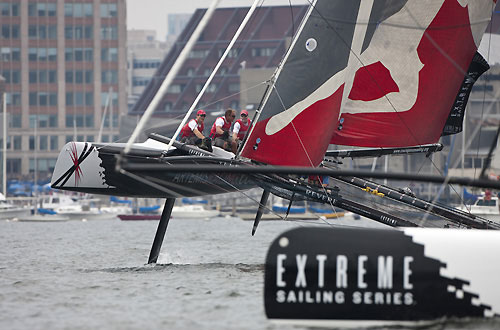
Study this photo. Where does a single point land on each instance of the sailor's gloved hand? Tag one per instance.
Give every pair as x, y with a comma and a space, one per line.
206, 144
225, 135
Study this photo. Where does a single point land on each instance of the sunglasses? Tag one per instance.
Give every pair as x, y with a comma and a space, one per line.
243, 115
202, 115
233, 116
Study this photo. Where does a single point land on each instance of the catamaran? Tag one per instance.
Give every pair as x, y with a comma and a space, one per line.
389, 76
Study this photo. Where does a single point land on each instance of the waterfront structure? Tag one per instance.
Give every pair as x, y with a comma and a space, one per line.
62, 60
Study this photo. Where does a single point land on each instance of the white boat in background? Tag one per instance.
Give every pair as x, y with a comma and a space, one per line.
75, 208
43, 218
10, 211
178, 212
193, 212
486, 207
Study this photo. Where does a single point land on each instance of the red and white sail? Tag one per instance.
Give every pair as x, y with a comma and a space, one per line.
368, 73
406, 80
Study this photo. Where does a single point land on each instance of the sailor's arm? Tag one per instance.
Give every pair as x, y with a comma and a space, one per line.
236, 130
219, 130
198, 134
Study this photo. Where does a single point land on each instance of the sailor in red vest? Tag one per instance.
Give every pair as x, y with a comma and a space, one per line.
192, 132
221, 128
240, 128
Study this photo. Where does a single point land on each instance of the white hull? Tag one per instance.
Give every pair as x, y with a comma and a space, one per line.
43, 218
488, 209
80, 216
14, 213
193, 212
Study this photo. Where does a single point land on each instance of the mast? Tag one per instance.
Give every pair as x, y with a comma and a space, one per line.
276, 74
4, 147
171, 75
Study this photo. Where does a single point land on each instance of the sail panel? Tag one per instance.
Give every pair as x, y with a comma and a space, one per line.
396, 65
425, 50
301, 112
287, 146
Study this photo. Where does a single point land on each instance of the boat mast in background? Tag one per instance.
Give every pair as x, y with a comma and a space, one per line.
4, 146
109, 103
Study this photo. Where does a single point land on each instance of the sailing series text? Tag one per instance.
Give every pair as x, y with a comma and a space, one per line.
327, 281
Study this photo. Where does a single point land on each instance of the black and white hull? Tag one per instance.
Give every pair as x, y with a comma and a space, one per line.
93, 168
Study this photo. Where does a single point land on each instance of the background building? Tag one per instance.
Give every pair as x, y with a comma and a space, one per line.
61, 61
259, 49
144, 55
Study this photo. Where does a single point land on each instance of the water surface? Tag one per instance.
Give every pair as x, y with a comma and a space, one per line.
92, 275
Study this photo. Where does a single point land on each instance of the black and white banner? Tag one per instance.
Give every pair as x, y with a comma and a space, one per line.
384, 276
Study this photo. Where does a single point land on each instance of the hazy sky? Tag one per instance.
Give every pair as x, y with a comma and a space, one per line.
152, 14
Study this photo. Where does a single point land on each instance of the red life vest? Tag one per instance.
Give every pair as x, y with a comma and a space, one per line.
187, 132
243, 128
225, 127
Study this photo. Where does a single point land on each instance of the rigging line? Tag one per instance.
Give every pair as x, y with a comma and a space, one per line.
258, 202
434, 165
182, 115
231, 95
303, 147
236, 190
148, 182
272, 81
409, 27
476, 130
482, 111
384, 205
214, 71
126, 137
246, 36
487, 162
244, 194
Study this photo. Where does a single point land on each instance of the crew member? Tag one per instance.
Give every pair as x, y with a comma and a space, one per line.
220, 130
240, 128
192, 132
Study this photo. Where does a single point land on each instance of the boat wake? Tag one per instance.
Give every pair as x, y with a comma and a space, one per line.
242, 267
